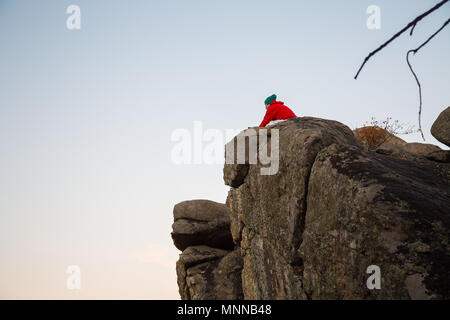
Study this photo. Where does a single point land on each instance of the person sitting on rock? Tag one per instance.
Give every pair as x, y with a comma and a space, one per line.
276, 111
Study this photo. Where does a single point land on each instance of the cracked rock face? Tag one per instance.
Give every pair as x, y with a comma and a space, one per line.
208, 268
206, 273
268, 212
333, 209
369, 209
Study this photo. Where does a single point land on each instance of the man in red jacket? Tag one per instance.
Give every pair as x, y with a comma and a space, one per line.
276, 110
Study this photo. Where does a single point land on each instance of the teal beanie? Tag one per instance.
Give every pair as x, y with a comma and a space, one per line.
270, 99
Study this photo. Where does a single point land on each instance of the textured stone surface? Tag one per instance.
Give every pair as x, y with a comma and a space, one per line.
266, 273
368, 209
272, 207
394, 145
439, 156
206, 273
201, 222
441, 127
311, 230
207, 267
399, 149
420, 148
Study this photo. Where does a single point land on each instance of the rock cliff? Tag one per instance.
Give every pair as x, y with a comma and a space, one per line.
313, 228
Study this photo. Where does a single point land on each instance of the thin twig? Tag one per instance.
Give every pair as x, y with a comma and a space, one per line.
414, 51
431, 37
409, 25
420, 93
412, 29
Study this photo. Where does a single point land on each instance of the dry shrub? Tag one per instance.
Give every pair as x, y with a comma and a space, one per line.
375, 133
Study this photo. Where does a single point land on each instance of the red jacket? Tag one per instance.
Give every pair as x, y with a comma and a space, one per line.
277, 111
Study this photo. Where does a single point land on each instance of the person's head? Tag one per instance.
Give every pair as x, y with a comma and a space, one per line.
269, 100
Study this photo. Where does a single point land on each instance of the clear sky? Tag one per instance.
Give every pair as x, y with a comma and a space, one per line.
86, 117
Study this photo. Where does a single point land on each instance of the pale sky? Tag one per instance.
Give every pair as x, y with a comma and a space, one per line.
86, 118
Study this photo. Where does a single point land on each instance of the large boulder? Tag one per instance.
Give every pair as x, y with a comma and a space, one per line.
441, 127
333, 209
315, 227
201, 222
208, 268
267, 211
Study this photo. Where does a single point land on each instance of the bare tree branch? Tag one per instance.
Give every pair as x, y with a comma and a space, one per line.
414, 51
411, 25
431, 37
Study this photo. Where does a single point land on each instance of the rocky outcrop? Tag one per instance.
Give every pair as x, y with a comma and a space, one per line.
393, 145
441, 127
332, 210
201, 222
207, 267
